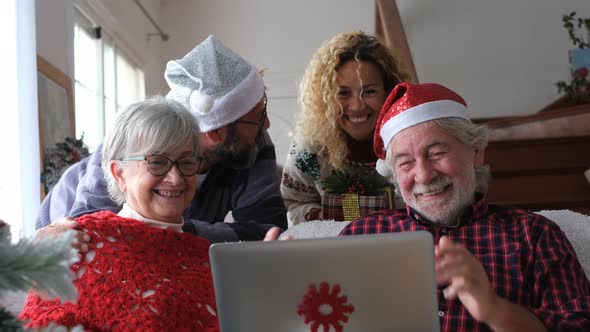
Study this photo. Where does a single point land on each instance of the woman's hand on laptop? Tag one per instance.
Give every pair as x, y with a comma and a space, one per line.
274, 233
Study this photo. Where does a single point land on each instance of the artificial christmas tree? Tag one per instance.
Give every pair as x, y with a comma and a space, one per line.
40, 264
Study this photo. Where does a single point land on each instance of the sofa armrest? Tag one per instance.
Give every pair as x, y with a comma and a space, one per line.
316, 229
576, 227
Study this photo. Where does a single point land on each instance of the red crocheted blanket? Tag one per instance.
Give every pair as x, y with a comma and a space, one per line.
134, 278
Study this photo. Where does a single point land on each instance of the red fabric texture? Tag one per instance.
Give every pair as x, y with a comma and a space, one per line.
134, 278
406, 98
528, 260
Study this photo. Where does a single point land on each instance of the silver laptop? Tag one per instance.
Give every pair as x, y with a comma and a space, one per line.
381, 282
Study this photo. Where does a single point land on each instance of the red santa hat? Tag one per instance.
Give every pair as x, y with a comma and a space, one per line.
410, 104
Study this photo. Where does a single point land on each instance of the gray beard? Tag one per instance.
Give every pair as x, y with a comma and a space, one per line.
233, 154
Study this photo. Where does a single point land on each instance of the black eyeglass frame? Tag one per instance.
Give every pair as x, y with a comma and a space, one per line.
260, 123
170, 163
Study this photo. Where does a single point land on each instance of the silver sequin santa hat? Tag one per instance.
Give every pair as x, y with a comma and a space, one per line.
217, 85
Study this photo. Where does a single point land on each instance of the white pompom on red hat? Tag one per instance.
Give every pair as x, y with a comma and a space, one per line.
410, 104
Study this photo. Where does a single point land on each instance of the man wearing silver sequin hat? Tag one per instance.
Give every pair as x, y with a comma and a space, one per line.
226, 95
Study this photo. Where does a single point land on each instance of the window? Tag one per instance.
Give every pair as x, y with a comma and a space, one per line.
19, 173
105, 81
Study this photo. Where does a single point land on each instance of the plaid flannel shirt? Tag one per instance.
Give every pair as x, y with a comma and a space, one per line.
527, 257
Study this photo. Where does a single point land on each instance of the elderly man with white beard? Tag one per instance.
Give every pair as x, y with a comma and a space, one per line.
497, 268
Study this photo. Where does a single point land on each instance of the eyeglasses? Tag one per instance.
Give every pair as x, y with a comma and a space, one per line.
159, 165
260, 123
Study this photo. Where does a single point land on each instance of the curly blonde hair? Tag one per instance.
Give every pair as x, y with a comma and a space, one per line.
316, 127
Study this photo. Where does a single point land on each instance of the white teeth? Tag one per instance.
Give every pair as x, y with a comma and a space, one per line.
437, 186
169, 193
432, 192
358, 118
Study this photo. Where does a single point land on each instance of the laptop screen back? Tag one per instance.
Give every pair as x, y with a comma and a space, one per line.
379, 282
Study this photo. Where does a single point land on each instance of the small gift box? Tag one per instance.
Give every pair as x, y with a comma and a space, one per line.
351, 194
350, 206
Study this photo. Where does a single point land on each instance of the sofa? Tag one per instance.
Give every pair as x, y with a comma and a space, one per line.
576, 227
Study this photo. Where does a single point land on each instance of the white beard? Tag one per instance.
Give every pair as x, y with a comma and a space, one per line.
444, 211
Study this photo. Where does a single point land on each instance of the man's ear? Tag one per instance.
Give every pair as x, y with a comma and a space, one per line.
117, 173
215, 136
479, 157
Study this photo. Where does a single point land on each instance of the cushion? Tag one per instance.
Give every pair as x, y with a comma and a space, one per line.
576, 227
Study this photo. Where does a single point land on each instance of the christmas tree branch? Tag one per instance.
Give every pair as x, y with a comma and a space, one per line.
42, 264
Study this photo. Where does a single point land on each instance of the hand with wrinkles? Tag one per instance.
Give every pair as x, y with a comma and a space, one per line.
466, 278
59, 226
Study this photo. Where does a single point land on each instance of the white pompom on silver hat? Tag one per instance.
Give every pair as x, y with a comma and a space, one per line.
216, 84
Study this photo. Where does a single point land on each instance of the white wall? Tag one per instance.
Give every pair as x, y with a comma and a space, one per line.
55, 33
278, 35
503, 56
121, 19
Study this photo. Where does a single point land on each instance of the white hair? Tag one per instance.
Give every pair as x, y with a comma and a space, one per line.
472, 135
152, 126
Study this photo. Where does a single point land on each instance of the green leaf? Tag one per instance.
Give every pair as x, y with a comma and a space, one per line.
43, 264
361, 180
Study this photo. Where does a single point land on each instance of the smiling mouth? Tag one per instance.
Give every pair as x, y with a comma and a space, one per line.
434, 192
169, 194
358, 118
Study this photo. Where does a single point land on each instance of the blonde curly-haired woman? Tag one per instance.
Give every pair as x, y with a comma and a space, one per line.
341, 94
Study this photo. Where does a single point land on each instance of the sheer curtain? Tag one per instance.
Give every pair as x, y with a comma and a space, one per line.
19, 126
106, 80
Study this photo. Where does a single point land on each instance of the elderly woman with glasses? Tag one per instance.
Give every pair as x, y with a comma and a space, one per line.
141, 271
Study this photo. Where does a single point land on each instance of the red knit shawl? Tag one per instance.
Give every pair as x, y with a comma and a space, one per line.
134, 278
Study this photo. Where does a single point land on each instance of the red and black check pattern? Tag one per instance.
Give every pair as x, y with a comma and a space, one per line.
527, 257
332, 205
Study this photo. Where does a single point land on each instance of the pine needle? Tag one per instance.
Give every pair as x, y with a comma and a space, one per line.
41, 264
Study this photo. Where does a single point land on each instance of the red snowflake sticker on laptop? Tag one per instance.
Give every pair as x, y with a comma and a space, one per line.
325, 307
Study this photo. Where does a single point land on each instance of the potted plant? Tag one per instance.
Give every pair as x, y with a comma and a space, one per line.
578, 90
352, 193
57, 159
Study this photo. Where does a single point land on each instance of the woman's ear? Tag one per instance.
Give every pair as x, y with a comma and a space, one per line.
117, 173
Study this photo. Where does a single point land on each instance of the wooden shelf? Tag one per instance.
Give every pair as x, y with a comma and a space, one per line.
539, 174
558, 109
